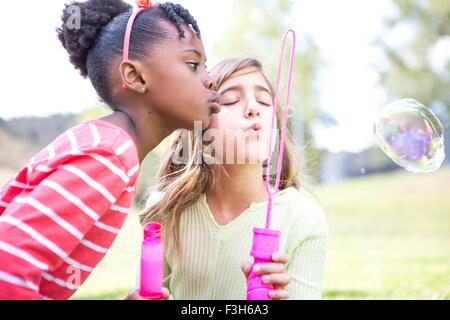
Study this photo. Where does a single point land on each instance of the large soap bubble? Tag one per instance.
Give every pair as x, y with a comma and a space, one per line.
411, 135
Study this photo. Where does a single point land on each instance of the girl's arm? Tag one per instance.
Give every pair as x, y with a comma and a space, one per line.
39, 231
306, 264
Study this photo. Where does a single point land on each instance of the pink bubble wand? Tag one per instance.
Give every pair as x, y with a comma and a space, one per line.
265, 240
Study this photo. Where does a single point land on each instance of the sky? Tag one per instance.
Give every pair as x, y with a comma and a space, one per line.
348, 84
38, 79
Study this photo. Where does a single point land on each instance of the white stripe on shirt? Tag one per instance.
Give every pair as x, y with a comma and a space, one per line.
17, 281
34, 234
23, 255
120, 209
51, 152
133, 170
93, 246
80, 204
111, 167
30, 164
95, 135
20, 185
60, 221
124, 147
73, 141
59, 282
91, 182
43, 168
3, 204
44, 241
106, 227
71, 198
17, 184
51, 214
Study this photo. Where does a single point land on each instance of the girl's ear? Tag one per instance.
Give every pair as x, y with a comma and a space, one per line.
132, 77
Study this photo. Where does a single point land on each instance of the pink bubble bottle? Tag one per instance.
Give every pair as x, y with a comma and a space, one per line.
152, 262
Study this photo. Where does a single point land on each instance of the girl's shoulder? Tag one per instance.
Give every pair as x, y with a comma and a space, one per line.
89, 144
301, 206
300, 217
103, 134
103, 137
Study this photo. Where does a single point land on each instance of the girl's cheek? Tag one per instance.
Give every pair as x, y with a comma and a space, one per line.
215, 122
226, 119
267, 120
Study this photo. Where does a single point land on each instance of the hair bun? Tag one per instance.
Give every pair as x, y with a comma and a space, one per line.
82, 23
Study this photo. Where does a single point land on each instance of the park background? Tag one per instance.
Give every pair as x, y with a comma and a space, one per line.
389, 229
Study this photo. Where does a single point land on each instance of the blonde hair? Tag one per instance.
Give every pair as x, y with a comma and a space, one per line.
182, 184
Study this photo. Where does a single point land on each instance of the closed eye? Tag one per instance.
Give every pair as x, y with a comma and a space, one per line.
265, 104
230, 103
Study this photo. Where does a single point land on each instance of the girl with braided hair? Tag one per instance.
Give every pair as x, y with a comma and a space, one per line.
62, 211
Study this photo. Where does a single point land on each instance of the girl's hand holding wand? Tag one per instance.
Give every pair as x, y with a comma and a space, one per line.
273, 273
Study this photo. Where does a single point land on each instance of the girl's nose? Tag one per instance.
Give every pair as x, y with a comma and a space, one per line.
208, 82
252, 110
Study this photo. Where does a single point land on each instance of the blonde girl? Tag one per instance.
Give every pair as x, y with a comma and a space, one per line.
209, 205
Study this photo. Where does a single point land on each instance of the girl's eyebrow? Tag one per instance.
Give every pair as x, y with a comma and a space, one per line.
232, 88
198, 53
262, 88
239, 88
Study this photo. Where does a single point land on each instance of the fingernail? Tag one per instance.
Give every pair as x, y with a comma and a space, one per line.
276, 256
266, 279
257, 269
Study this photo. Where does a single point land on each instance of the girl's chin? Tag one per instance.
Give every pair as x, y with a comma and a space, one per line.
253, 158
202, 123
240, 160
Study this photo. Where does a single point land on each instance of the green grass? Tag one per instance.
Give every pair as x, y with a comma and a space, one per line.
115, 275
390, 239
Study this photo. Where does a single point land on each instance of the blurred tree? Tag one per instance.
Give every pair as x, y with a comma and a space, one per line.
420, 66
93, 113
256, 31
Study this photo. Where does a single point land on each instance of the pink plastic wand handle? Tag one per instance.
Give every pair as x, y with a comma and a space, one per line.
267, 241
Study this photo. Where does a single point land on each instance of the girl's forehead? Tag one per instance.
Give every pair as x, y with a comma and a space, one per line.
190, 37
245, 77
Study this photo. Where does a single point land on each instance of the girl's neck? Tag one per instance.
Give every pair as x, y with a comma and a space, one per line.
236, 187
144, 127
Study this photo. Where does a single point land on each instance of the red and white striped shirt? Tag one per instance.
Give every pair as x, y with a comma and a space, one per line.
62, 211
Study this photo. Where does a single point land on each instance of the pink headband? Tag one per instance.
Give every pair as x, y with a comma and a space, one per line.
142, 5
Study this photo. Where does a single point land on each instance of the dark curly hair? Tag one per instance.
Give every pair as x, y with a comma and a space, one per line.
101, 31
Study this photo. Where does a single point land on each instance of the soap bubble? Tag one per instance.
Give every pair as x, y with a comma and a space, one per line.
411, 135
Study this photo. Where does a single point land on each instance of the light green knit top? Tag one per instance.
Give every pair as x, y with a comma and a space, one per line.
212, 253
